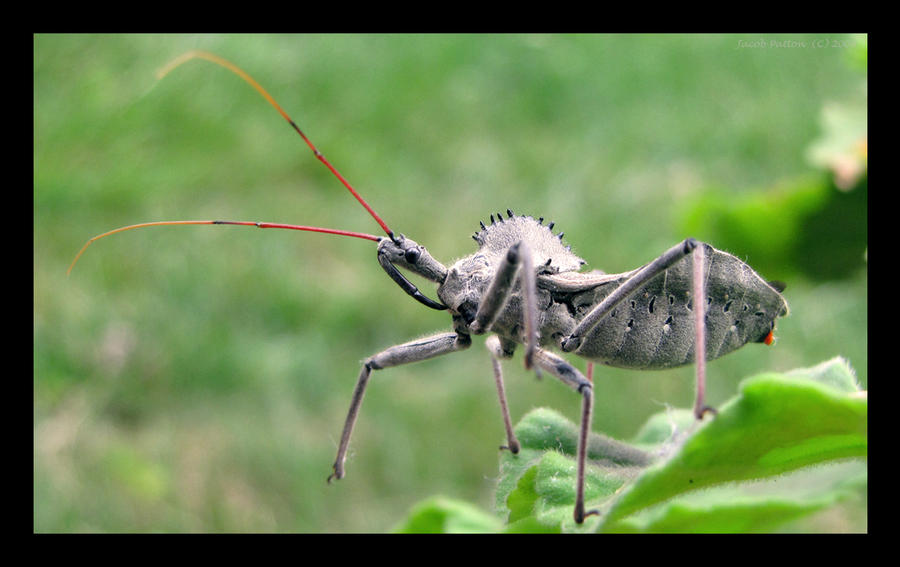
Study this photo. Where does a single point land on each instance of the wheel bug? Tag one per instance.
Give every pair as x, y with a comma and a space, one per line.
524, 287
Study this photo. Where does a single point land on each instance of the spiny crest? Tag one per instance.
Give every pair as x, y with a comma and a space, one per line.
548, 251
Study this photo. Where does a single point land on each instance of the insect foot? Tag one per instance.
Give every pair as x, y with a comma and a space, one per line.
580, 513
703, 410
338, 473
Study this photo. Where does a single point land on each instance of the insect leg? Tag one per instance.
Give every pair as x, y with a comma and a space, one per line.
698, 258
575, 379
669, 257
495, 346
413, 351
499, 291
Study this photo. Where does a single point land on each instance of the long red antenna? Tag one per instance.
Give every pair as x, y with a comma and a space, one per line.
241, 223
239, 72
197, 54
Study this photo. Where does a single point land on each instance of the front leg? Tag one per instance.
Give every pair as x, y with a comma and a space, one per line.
413, 351
500, 289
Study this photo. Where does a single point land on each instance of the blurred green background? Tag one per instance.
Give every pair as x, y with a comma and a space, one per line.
197, 378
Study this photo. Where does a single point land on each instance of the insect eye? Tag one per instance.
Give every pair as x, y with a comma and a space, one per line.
412, 255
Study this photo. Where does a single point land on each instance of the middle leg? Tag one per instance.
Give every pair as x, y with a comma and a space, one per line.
570, 375
498, 293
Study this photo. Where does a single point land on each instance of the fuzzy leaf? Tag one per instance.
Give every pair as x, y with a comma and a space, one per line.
441, 515
777, 424
752, 508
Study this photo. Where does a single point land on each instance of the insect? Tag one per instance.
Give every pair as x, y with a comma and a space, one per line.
524, 286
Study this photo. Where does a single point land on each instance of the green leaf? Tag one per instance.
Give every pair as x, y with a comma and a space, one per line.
522, 499
778, 423
539, 481
440, 515
751, 508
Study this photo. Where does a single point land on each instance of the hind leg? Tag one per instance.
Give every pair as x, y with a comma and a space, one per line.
570, 375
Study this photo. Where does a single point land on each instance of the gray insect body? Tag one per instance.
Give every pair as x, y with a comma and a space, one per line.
523, 287
653, 329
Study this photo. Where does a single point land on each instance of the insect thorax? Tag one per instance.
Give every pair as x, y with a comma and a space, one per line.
549, 254
469, 277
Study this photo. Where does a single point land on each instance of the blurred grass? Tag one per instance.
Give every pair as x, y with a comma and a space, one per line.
197, 378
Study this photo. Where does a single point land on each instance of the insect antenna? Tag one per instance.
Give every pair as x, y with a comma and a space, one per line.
197, 54
250, 80
239, 223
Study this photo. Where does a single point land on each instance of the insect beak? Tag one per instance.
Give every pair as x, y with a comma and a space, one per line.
408, 254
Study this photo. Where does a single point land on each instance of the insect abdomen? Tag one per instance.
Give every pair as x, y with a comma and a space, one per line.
654, 327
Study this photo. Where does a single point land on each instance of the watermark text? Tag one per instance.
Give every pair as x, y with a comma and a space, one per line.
817, 43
